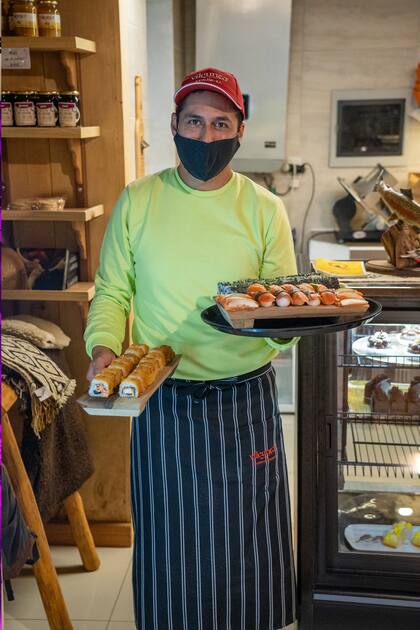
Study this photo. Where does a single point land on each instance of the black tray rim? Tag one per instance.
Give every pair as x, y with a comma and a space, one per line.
326, 327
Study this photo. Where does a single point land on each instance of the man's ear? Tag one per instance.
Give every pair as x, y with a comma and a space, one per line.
241, 130
174, 123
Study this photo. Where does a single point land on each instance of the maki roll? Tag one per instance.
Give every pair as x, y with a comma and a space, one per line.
138, 350
103, 384
132, 387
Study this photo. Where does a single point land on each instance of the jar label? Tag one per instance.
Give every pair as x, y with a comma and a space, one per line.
6, 114
25, 114
24, 20
49, 21
46, 114
69, 114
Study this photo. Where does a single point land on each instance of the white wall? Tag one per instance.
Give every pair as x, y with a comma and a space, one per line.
160, 51
337, 44
133, 29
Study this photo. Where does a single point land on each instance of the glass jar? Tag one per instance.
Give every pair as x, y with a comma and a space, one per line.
47, 109
6, 108
10, 18
25, 108
4, 18
25, 22
69, 109
49, 19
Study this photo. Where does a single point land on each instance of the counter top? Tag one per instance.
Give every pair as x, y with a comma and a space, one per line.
375, 285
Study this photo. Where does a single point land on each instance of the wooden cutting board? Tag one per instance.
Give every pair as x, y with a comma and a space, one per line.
126, 407
383, 266
245, 319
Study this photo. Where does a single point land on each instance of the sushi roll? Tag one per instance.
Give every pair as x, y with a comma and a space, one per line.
154, 361
283, 299
159, 356
146, 373
123, 367
266, 299
132, 387
138, 350
102, 385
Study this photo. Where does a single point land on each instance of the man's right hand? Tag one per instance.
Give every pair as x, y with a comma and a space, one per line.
101, 358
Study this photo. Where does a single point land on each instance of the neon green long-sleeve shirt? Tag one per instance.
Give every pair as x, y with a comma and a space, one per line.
166, 247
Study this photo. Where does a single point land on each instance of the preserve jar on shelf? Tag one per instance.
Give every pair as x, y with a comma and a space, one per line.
49, 19
4, 18
47, 109
6, 107
25, 18
10, 26
25, 108
69, 109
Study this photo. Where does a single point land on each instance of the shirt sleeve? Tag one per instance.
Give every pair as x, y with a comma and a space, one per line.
114, 284
279, 260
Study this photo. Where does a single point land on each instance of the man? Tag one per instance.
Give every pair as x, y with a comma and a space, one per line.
209, 483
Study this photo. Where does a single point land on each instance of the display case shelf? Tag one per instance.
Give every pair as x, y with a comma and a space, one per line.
79, 292
385, 449
68, 214
53, 133
397, 361
73, 44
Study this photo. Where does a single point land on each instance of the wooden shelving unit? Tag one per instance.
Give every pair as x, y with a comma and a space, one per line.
78, 217
79, 292
72, 44
53, 133
68, 214
38, 161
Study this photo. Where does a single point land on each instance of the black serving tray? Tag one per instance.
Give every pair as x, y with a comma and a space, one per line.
293, 327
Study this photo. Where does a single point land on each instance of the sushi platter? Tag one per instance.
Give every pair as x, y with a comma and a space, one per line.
116, 405
309, 304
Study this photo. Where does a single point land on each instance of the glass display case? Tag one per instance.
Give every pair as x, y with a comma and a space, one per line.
378, 439
359, 475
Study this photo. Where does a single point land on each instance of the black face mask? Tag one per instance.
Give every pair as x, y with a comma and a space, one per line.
204, 160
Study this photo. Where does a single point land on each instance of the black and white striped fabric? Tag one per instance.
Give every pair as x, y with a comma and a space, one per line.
211, 509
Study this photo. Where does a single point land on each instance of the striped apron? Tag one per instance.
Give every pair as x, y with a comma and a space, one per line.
210, 503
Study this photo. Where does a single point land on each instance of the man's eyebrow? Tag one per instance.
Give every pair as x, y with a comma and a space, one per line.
221, 118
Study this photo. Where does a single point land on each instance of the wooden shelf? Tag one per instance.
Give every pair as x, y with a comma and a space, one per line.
58, 133
51, 44
79, 215
79, 292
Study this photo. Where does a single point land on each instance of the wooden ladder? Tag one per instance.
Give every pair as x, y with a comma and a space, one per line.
44, 570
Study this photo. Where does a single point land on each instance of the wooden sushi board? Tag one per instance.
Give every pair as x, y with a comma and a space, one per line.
384, 266
245, 319
127, 407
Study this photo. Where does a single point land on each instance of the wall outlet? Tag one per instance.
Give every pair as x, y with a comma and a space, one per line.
296, 169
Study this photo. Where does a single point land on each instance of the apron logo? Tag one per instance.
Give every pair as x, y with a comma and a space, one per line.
259, 457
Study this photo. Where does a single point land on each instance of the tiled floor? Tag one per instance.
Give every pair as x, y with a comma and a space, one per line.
101, 600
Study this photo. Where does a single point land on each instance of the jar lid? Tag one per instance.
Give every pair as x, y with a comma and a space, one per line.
70, 93
4, 92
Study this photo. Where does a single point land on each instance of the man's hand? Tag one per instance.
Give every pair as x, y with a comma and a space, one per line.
101, 358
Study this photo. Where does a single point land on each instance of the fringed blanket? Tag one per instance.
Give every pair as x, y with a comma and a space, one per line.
48, 386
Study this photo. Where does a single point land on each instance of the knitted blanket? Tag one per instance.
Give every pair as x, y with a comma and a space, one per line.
48, 386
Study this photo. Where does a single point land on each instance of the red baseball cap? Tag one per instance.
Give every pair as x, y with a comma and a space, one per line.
214, 80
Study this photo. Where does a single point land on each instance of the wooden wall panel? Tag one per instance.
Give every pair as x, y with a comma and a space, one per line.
44, 167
